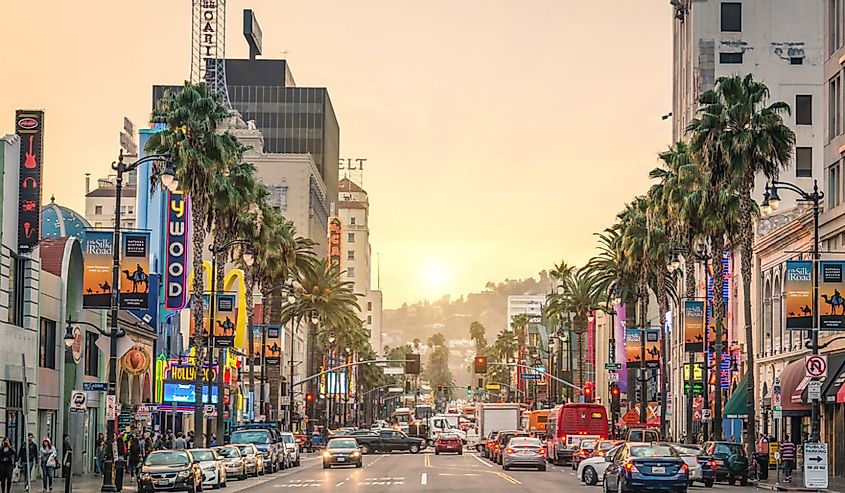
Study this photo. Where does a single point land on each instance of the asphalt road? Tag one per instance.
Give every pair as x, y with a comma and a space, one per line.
426, 473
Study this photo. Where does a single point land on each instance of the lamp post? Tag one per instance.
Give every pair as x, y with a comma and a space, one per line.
248, 257
169, 181
771, 201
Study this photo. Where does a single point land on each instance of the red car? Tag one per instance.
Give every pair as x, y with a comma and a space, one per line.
448, 442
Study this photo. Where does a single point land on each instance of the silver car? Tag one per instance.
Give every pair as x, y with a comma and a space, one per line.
524, 452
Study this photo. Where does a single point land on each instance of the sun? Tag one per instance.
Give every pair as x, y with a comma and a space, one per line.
435, 277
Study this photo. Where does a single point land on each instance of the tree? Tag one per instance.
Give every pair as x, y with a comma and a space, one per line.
476, 333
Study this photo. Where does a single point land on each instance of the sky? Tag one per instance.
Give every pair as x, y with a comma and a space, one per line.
499, 134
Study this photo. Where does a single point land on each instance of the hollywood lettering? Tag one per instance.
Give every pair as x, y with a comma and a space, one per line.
187, 373
177, 236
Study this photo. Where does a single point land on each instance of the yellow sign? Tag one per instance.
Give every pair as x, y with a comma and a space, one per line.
493, 386
773, 448
698, 372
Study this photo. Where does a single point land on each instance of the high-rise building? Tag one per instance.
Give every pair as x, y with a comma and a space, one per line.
356, 255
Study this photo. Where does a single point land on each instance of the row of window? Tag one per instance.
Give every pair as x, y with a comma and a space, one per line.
47, 339
836, 20
124, 210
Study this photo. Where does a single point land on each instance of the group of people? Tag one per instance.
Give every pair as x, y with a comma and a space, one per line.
27, 457
787, 451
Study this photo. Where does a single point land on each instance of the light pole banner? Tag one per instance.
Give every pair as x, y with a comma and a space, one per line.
206, 315
633, 348
693, 326
272, 349
652, 347
798, 286
134, 270
831, 299
225, 316
97, 259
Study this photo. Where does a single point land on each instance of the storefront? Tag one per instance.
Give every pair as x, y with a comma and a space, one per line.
796, 413
833, 412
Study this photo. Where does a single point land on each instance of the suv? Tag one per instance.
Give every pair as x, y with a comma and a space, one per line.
267, 441
731, 461
292, 447
502, 440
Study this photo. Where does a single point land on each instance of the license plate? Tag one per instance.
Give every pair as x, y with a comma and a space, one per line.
341, 459
163, 481
658, 470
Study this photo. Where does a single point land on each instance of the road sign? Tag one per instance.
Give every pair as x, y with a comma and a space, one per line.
815, 465
776, 401
394, 389
613, 376
613, 366
392, 370
530, 376
95, 386
284, 400
493, 386
705, 415
815, 366
209, 410
77, 401
111, 407
814, 390
777, 413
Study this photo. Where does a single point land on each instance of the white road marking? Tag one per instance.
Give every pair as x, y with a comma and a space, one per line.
424, 478
458, 474
340, 483
479, 459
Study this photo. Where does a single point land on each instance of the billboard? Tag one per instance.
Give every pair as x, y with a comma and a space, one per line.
798, 286
693, 313
831, 299
29, 126
134, 270
97, 270
225, 318
272, 347
176, 242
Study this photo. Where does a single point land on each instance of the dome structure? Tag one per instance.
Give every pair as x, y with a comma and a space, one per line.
58, 221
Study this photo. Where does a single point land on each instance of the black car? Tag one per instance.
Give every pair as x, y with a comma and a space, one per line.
388, 441
170, 470
730, 460
342, 451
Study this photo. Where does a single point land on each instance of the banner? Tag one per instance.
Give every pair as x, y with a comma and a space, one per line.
29, 126
693, 326
633, 348
206, 316
134, 270
225, 316
176, 242
798, 286
97, 277
272, 348
831, 300
619, 341
257, 349
652, 347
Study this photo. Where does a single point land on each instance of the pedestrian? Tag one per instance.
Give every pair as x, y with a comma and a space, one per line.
7, 464
67, 452
28, 458
213, 440
168, 441
190, 441
787, 457
134, 456
99, 454
47, 458
180, 443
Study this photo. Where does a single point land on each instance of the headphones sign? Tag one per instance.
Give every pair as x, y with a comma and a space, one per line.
29, 126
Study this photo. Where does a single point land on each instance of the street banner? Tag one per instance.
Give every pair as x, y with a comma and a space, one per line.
633, 348
693, 326
225, 316
134, 270
652, 347
619, 341
97, 260
272, 346
798, 286
257, 349
831, 299
206, 316
176, 242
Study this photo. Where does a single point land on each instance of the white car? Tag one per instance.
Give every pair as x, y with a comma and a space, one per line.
591, 470
292, 447
380, 424
690, 455
213, 471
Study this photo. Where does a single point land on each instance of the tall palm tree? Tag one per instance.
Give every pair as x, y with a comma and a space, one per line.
504, 349
476, 333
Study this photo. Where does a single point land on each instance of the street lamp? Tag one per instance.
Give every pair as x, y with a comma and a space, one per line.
771, 201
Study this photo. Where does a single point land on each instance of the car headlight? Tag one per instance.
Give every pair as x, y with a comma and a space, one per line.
327, 454
144, 476
355, 454
183, 474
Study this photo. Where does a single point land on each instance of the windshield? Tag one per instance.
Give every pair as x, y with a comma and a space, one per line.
246, 449
259, 437
448, 436
288, 438
524, 442
605, 445
728, 449
203, 455
167, 459
229, 452
342, 443
652, 451
588, 444
687, 450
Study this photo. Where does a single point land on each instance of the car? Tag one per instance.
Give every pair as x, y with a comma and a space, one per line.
380, 424
645, 466
211, 464
170, 470
524, 451
292, 448
304, 443
448, 442
584, 450
232, 461
702, 468
266, 440
731, 461
253, 458
342, 451
502, 440
591, 470
387, 441
602, 446
485, 445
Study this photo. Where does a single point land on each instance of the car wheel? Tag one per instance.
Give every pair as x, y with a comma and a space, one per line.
359, 465
708, 483
460, 452
589, 476
541, 468
743, 481
731, 480
365, 449
506, 468
296, 464
414, 449
436, 452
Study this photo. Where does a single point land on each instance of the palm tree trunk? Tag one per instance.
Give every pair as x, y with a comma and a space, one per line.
746, 250
689, 274
197, 312
249, 282
664, 367
643, 316
719, 321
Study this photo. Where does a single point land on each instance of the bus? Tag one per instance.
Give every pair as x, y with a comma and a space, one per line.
568, 424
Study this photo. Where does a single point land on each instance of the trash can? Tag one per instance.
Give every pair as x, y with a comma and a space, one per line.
762, 466
119, 468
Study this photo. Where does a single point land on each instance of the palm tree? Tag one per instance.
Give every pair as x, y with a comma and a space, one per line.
504, 349
476, 333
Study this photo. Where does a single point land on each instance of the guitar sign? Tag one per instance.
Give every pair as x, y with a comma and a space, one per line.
30, 129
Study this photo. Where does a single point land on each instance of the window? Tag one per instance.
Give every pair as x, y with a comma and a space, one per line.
369, 306
47, 344
796, 60
369, 319
804, 109
350, 237
16, 290
728, 58
350, 255
731, 17
833, 101
352, 220
92, 355
130, 209
98, 209
834, 25
803, 162
350, 272
833, 185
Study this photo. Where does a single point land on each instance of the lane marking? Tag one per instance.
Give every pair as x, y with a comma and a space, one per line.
506, 477
424, 478
479, 459
427, 460
340, 483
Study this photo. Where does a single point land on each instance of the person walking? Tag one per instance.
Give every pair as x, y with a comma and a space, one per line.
47, 457
180, 443
99, 454
7, 464
134, 456
787, 457
27, 459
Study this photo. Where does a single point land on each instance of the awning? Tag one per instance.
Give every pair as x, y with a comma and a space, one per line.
792, 384
836, 378
737, 406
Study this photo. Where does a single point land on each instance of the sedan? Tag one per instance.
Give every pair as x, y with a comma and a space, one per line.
701, 468
171, 470
342, 452
253, 458
591, 470
524, 452
448, 442
640, 466
210, 463
233, 463
584, 450
731, 462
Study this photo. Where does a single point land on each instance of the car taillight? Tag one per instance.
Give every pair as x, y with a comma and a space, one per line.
541, 451
510, 451
685, 468
713, 463
600, 454
630, 467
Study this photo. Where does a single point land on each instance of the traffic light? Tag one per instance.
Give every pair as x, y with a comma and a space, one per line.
469, 392
412, 364
309, 397
480, 364
588, 392
440, 387
615, 401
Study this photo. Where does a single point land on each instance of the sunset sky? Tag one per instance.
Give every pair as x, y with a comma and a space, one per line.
499, 134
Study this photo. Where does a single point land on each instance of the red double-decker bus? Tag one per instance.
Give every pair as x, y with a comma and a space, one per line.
568, 424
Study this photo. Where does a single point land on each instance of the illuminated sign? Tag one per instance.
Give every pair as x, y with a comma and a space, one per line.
188, 373
29, 126
175, 275
335, 230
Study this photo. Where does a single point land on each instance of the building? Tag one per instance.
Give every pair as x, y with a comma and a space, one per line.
356, 255
530, 304
100, 202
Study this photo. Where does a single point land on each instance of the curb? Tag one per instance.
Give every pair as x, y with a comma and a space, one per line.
779, 487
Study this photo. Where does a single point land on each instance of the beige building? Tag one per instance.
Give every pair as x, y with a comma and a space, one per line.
99, 202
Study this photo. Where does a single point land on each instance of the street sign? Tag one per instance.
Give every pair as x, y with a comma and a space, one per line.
493, 386
284, 400
209, 410
95, 386
697, 388
776, 401
111, 407
613, 366
814, 390
613, 376
77, 401
705, 415
142, 411
392, 370
815, 465
815, 366
394, 389
530, 376
777, 413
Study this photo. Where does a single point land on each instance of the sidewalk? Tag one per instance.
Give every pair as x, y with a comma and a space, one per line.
834, 484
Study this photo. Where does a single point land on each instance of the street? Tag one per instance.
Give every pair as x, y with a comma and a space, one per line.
429, 473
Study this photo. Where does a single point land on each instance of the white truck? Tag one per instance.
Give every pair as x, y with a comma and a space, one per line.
496, 416
440, 423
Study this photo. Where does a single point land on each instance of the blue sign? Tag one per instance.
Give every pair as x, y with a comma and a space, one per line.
95, 386
530, 376
176, 243
179, 393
